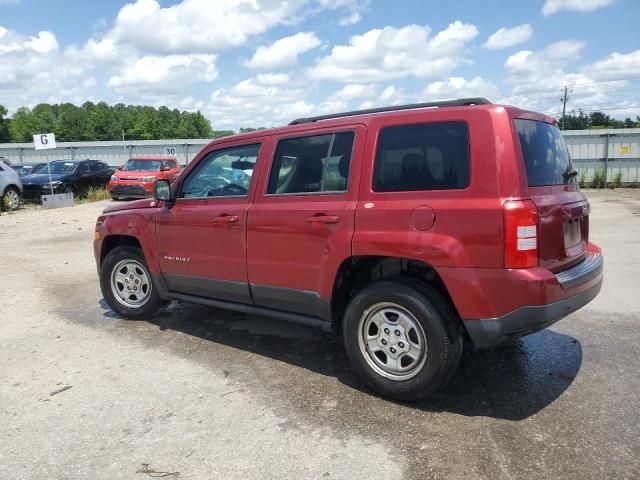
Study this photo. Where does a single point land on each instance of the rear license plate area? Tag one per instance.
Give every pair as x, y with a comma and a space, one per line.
573, 236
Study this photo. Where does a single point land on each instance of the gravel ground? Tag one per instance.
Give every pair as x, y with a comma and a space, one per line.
200, 393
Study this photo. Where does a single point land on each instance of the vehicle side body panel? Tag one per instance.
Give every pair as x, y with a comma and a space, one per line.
292, 257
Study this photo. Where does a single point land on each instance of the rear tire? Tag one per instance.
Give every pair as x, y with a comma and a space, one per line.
421, 348
127, 284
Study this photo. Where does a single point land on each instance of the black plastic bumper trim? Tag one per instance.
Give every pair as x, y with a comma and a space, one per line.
491, 332
581, 273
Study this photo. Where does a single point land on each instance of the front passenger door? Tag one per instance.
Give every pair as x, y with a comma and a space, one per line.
202, 237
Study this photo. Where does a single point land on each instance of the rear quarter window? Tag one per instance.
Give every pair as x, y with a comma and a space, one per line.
545, 155
428, 156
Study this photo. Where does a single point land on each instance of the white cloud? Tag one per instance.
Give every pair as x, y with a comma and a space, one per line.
541, 67
44, 43
553, 6
163, 74
459, 87
354, 91
33, 69
283, 52
389, 53
354, 8
616, 65
198, 26
265, 100
352, 18
508, 37
273, 79
538, 78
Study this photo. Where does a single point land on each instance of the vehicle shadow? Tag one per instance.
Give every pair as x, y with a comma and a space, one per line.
511, 382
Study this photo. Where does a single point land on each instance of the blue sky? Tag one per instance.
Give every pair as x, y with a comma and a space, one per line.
264, 62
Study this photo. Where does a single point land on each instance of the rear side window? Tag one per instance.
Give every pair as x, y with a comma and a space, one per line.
315, 164
429, 156
546, 158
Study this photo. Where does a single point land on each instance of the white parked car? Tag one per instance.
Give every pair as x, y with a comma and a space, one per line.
10, 186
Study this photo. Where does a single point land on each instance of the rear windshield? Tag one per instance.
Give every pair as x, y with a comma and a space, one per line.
545, 154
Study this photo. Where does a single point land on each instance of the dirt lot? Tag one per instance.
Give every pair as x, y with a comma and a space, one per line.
211, 394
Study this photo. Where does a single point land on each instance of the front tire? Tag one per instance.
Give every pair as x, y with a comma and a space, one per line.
10, 199
127, 285
402, 338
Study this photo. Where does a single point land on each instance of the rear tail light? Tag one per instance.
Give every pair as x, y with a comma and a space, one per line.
521, 234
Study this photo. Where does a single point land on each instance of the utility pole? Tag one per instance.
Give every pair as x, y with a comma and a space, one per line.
564, 106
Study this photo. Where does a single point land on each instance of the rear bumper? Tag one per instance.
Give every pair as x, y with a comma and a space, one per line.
565, 293
525, 320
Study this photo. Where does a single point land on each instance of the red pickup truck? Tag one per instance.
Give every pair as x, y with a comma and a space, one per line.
407, 229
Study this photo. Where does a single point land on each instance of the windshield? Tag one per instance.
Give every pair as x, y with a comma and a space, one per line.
146, 165
56, 168
545, 154
23, 170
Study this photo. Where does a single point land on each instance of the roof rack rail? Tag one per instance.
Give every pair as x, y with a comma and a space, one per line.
461, 102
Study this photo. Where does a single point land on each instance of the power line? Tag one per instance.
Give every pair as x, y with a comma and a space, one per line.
574, 85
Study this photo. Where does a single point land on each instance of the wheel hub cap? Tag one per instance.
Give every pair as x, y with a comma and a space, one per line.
392, 341
130, 283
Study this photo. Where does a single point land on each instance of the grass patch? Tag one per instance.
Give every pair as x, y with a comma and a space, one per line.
598, 179
94, 195
617, 180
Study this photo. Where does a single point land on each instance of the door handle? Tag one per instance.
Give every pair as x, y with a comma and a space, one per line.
226, 219
323, 219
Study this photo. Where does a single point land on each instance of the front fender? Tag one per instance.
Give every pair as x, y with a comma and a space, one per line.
139, 225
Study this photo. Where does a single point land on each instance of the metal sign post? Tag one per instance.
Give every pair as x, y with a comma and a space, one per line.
45, 141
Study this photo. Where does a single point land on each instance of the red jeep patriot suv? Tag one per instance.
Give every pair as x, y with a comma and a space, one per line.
409, 229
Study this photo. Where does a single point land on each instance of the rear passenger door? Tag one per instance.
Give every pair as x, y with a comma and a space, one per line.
301, 223
101, 173
84, 177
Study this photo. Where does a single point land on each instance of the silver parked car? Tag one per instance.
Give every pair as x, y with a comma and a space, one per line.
10, 186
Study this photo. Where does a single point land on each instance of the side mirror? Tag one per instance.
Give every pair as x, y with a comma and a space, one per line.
120, 167
165, 169
162, 190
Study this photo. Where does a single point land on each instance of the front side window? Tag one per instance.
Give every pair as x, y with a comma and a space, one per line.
313, 164
428, 156
222, 173
41, 168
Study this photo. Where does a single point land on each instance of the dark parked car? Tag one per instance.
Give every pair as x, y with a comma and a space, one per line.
25, 169
67, 176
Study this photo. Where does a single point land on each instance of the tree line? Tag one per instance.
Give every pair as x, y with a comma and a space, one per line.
99, 121
582, 121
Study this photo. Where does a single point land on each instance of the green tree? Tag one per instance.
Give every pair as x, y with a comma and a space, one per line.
22, 125
104, 122
5, 136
